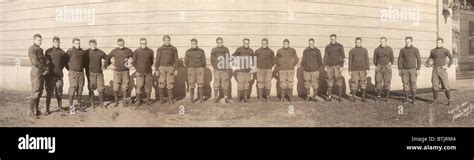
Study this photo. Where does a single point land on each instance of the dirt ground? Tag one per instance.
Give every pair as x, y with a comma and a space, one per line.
299, 113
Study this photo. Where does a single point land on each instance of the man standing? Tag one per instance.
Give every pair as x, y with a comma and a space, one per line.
122, 61
95, 77
383, 60
166, 68
54, 81
243, 57
286, 60
76, 74
142, 61
311, 63
409, 64
39, 68
219, 56
359, 65
333, 62
265, 62
439, 76
195, 61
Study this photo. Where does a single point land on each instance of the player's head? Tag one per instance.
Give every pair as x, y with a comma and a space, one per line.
408, 41
93, 44
286, 43
194, 43
37, 39
333, 38
166, 40
120, 43
56, 42
311, 43
246, 42
383, 41
358, 41
143, 43
76, 42
219, 41
264, 43
439, 42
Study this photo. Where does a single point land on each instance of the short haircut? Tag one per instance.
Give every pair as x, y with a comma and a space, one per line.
120, 40
37, 36
246, 39
286, 40
75, 39
143, 39
56, 39
166, 36
440, 39
383, 37
333, 35
194, 40
358, 38
92, 41
219, 38
265, 39
409, 37
311, 39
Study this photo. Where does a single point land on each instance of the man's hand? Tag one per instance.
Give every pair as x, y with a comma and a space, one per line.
45, 71
175, 73
417, 72
156, 73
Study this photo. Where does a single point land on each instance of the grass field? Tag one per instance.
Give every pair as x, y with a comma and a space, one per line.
299, 113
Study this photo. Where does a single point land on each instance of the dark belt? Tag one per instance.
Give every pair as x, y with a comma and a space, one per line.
385, 67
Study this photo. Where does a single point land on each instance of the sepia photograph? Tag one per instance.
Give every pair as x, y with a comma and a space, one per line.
237, 63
